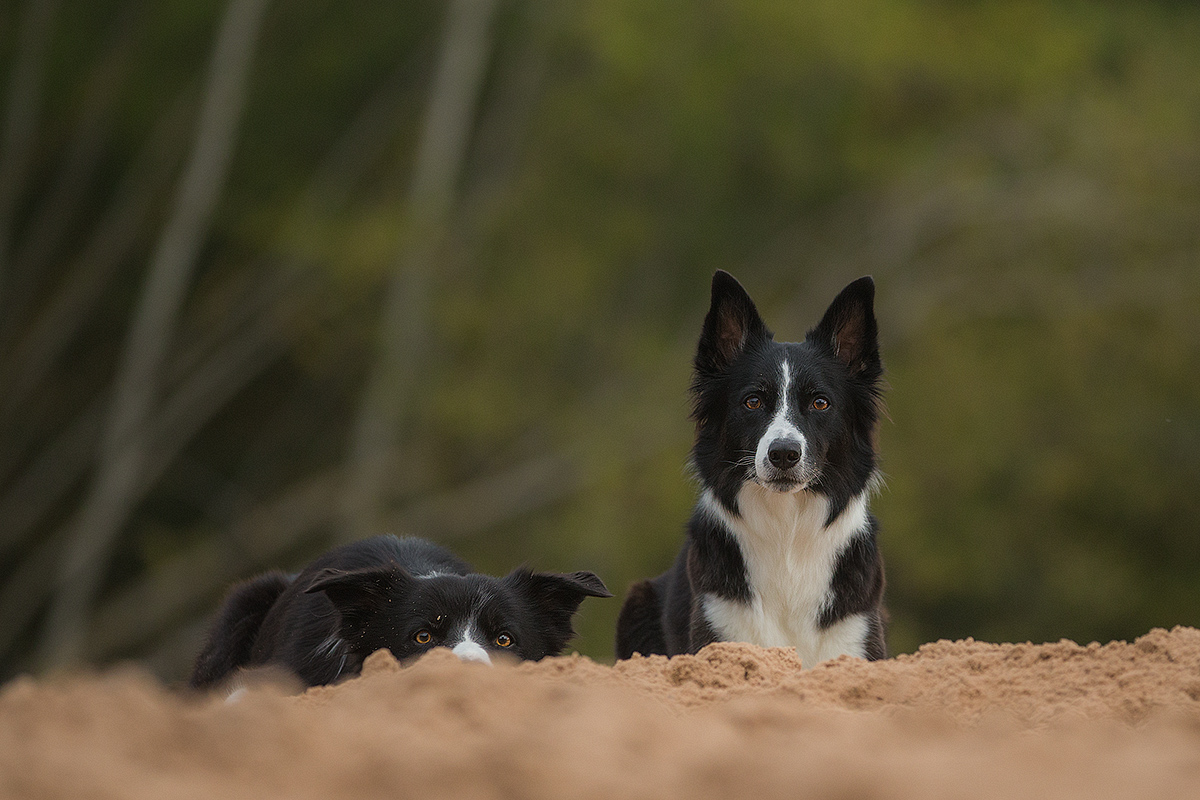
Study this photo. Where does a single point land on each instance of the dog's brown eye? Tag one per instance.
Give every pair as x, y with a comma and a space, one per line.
820, 404
753, 402
504, 640
422, 637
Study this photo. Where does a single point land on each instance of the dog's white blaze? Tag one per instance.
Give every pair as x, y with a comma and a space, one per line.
790, 557
780, 428
471, 650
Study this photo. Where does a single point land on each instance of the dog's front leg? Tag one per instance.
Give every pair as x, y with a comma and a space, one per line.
700, 632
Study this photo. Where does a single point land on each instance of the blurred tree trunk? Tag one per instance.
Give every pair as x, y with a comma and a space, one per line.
404, 326
124, 452
21, 116
59, 464
202, 376
208, 376
110, 244
32, 260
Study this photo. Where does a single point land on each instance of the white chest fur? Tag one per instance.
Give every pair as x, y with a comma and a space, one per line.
790, 557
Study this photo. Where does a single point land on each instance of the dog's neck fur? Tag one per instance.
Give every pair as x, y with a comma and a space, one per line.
790, 554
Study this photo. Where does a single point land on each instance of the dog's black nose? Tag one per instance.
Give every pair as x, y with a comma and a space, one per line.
784, 453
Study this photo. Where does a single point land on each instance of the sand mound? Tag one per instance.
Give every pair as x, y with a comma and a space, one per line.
963, 719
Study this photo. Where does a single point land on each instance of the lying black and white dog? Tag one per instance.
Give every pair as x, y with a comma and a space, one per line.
406, 595
780, 549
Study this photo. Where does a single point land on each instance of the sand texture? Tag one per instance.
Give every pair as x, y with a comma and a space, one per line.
961, 719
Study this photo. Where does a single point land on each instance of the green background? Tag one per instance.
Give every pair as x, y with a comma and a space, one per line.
1022, 179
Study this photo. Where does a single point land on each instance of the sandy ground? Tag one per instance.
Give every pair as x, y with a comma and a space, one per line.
962, 719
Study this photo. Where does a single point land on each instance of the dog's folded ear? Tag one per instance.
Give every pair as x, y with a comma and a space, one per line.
356, 593
731, 323
586, 584
357, 585
557, 588
849, 327
554, 598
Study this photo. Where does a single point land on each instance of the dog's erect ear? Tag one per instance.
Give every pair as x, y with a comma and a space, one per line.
357, 593
555, 597
849, 327
732, 322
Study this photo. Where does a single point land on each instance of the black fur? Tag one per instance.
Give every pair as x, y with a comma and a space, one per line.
379, 593
737, 357
232, 634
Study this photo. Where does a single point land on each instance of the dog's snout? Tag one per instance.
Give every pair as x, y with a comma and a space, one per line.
467, 650
784, 453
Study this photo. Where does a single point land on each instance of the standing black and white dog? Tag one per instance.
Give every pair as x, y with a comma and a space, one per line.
406, 595
781, 549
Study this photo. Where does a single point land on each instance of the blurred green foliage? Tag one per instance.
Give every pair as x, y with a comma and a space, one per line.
1021, 178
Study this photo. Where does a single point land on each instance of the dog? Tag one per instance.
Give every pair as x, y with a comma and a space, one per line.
407, 595
781, 548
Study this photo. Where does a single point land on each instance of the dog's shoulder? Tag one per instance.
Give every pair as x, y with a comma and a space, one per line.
233, 634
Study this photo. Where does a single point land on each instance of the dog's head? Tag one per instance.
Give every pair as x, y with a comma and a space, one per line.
526, 614
790, 416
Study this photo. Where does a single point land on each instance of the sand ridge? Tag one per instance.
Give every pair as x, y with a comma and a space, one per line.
954, 719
